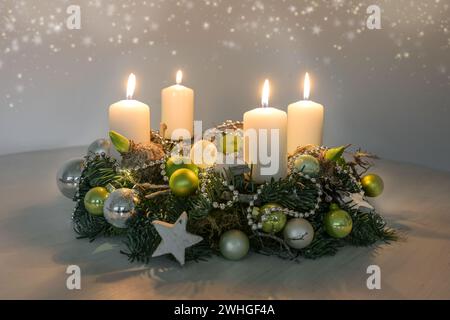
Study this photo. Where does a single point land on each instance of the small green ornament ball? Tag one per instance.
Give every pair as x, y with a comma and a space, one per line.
372, 185
183, 182
338, 222
234, 245
275, 221
229, 143
95, 199
175, 163
307, 164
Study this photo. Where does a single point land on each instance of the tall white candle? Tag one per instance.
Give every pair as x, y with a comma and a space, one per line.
305, 121
177, 110
129, 117
265, 140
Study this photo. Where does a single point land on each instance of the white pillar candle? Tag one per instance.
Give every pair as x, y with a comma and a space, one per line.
265, 140
305, 121
177, 109
129, 117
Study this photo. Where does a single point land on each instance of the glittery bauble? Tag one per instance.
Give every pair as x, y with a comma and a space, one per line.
275, 220
229, 143
234, 245
338, 222
100, 147
183, 182
203, 154
307, 164
178, 162
95, 199
68, 177
298, 233
119, 207
373, 185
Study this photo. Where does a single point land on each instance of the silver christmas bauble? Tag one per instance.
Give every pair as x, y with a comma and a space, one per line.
99, 147
234, 244
307, 164
119, 207
298, 233
68, 177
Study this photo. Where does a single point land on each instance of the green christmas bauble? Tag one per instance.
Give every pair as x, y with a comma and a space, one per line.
234, 245
179, 162
183, 182
275, 220
229, 143
373, 185
94, 200
338, 222
307, 164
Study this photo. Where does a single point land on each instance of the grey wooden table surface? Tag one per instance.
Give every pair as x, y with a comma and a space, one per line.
37, 244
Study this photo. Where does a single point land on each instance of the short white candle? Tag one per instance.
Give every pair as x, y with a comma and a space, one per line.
129, 117
177, 110
305, 121
263, 121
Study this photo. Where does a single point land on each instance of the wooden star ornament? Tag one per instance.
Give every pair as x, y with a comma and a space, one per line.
358, 200
174, 238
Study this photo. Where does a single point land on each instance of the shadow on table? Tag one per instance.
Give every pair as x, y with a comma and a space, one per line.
415, 224
265, 277
256, 277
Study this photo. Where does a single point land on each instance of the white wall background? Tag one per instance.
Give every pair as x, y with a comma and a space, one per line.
387, 91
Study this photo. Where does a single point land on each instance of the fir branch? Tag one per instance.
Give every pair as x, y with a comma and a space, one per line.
281, 242
322, 244
142, 239
369, 228
99, 171
294, 192
297, 194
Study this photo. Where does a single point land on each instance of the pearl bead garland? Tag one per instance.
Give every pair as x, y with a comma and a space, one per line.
291, 213
258, 225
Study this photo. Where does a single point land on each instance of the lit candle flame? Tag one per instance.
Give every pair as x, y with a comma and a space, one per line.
306, 87
265, 94
179, 76
131, 86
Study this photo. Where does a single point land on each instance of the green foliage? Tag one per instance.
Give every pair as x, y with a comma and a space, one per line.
295, 193
142, 239
369, 228
99, 171
323, 244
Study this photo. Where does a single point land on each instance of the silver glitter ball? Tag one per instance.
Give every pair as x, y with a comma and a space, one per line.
68, 177
298, 233
119, 207
99, 147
